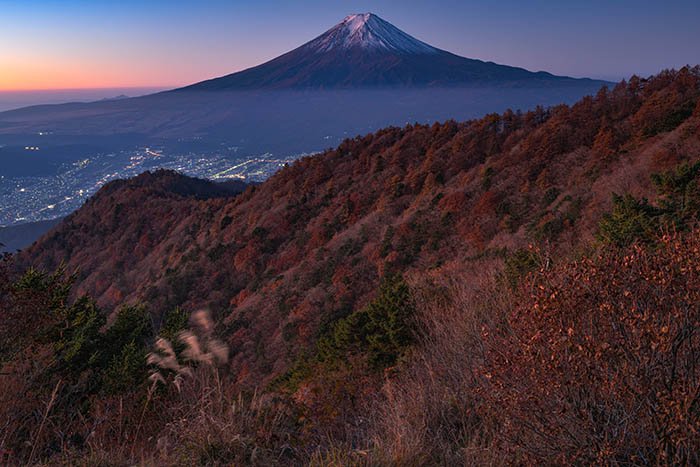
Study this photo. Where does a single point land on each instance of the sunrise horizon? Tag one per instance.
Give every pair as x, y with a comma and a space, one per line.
167, 45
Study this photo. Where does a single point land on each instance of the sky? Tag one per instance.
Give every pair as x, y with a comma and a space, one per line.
71, 44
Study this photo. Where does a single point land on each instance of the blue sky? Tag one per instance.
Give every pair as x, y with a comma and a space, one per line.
78, 43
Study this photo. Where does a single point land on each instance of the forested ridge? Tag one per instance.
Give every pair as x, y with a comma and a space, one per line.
514, 289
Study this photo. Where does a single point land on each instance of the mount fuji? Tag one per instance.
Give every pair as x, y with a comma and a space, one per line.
366, 51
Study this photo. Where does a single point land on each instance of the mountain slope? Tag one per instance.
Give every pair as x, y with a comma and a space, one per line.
281, 261
366, 51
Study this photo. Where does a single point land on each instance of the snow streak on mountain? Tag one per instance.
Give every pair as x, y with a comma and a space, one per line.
369, 32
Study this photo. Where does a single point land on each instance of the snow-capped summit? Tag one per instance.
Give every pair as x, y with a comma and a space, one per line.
363, 50
370, 32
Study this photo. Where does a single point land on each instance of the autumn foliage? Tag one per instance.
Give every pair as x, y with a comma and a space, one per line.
600, 363
518, 289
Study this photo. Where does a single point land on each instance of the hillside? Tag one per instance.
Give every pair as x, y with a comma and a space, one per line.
281, 262
518, 289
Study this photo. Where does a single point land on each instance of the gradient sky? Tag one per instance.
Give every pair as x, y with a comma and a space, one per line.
57, 44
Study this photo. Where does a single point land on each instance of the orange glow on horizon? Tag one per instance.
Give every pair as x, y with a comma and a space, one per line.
43, 75
90, 88
23, 69
35, 82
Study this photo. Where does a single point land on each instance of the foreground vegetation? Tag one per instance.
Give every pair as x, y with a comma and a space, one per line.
588, 361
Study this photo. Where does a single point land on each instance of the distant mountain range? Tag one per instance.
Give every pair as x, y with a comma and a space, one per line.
366, 51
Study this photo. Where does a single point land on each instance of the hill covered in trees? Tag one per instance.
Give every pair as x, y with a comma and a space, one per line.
416, 283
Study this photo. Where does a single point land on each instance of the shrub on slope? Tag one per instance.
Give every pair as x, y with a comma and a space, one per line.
595, 361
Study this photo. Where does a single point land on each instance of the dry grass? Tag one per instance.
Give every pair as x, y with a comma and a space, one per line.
472, 392
49, 406
208, 422
429, 411
193, 414
593, 361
